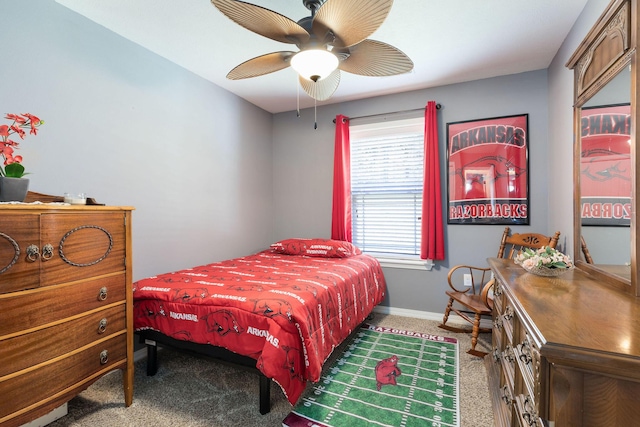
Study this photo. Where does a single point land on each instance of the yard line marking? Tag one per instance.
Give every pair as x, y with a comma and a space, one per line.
376, 406
322, 390
371, 377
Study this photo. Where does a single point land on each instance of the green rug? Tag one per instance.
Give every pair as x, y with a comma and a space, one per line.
386, 377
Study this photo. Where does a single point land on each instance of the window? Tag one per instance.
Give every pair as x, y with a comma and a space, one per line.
386, 186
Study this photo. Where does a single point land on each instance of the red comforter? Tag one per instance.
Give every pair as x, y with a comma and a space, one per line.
287, 312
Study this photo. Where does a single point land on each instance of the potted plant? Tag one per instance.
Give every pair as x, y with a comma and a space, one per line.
13, 185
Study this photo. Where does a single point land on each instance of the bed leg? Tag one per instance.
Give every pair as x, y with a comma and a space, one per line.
265, 395
152, 357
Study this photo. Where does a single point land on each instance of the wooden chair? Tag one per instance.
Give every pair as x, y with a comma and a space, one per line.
474, 301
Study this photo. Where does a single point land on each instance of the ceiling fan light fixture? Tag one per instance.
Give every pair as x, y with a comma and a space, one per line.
314, 64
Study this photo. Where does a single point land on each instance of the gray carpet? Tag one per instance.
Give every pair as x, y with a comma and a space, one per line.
193, 391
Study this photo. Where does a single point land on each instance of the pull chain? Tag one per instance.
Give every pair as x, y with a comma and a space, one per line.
315, 113
297, 99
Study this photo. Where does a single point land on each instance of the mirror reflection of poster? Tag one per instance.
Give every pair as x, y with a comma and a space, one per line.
605, 165
488, 173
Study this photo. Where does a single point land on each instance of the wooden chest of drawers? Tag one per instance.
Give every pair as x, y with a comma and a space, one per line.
566, 351
65, 304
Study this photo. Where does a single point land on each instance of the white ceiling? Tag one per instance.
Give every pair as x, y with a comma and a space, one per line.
449, 41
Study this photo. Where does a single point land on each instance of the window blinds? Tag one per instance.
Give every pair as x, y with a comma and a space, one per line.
386, 186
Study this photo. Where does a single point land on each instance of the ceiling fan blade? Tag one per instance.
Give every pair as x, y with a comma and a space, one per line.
261, 65
263, 21
322, 89
374, 58
350, 21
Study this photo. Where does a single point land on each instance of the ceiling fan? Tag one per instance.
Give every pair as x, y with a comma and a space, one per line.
332, 39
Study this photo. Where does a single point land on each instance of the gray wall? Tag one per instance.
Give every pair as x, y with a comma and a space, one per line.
128, 127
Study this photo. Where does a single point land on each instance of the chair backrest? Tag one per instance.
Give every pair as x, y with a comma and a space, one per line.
585, 251
511, 245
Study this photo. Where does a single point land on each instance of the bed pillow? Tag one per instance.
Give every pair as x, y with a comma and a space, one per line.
325, 248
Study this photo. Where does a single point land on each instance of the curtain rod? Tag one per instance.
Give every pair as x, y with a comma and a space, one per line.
438, 107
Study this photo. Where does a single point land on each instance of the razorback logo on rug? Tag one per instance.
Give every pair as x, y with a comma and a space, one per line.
387, 371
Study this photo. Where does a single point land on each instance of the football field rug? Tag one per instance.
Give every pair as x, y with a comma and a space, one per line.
385, 377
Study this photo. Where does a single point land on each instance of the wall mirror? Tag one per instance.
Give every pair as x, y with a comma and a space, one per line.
605, 161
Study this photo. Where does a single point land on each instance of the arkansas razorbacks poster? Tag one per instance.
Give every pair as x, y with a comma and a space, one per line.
605, 165
488, 168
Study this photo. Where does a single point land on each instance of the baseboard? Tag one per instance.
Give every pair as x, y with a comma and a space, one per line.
140, 354
57, 413
427, 315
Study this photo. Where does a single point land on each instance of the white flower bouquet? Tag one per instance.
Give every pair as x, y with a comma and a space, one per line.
545, 261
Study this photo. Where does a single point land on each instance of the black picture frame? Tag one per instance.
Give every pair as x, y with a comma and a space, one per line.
488, 171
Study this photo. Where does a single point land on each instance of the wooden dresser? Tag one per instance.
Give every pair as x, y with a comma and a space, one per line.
566, 351
65, 304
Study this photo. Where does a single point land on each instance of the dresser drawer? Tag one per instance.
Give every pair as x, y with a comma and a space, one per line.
36, 308
45, 382
86, 245
17, 233
23, 351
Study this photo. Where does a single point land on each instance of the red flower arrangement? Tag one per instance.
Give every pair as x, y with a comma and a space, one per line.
12, 164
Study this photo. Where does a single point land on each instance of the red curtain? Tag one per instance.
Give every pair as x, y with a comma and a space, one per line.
432, 244
341, 211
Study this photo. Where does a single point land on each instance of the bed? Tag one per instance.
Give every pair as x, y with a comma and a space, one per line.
281, 311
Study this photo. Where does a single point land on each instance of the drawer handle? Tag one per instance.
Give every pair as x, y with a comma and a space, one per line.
103, 293
497, 324
104, 357
525, 351
47, 252
33, 253
508, 354
496, 355
102, 326
497, 289
506, 397
529, 413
